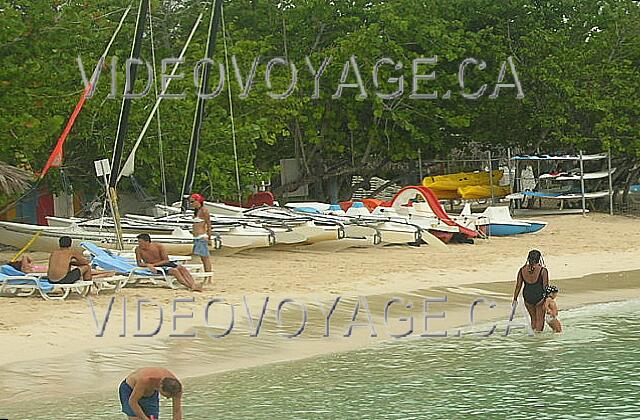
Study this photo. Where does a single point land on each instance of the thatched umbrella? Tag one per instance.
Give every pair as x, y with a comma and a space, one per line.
13, 180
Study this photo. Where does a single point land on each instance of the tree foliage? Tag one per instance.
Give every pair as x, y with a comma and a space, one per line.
577, 62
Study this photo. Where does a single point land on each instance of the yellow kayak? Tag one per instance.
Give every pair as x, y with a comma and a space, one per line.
445, 194
462, 179
474, 192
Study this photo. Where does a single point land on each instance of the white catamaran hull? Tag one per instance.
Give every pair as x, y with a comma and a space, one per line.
361, 232
285, 236
318, 233
398, 233
235, 237
54, 221
246, 238
311, 231
19, 234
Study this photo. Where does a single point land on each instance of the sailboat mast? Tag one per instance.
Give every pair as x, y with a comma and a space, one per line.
189, 175
123, 121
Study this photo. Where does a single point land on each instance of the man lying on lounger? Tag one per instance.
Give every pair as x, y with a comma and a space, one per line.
154, 257
140, 393
67, 265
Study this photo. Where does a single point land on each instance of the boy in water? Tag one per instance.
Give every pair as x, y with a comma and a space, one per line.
551, 309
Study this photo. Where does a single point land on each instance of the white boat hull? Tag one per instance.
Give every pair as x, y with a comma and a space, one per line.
414, 215
223, 209
397, 233
289, 237
299, 233
317, 233
246, 238
54, 221
361, 232
18, 235
236, 237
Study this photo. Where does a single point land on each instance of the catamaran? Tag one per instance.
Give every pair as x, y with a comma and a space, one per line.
413, 206
232, 235
45, 238
288, 228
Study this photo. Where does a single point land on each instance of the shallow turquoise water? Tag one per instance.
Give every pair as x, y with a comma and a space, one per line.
591, 370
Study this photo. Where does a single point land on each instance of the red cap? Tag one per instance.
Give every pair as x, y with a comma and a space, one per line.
198, 197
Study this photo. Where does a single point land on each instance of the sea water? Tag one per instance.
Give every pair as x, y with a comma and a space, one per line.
591, 370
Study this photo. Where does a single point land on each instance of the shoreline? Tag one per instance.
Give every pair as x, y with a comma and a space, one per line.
76, 318
63, 333
578, 292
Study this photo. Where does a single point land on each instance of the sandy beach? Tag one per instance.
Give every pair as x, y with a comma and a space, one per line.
256, 136
573, 246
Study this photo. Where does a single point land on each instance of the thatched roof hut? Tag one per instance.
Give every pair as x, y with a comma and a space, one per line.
13, 180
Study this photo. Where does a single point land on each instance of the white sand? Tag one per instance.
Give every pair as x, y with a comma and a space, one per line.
573, 246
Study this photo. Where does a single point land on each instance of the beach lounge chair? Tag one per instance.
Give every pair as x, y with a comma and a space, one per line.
16, 283
101, 283
133, 273
96, 251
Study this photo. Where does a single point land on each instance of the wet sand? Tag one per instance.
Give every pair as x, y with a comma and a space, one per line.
48, 343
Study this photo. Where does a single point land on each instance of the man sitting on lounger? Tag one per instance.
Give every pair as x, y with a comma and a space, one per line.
154, 257
68, 265
140, 393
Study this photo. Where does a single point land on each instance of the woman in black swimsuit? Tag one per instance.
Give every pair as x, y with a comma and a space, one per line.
535, 278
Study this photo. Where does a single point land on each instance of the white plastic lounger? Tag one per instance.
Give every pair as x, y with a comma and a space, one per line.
101, 283
27, 286
130, 257
131, 273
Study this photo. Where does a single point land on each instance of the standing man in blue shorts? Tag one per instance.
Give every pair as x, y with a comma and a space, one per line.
201, 232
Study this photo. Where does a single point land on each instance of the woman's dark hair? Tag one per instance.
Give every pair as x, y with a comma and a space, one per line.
534, 257
16, 264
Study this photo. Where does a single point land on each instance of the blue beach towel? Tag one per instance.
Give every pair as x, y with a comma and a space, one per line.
119, 265
97, 251
8, 271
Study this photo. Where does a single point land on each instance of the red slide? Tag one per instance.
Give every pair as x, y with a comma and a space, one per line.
409, 193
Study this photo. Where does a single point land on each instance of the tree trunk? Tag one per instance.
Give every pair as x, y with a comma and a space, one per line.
633, 176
